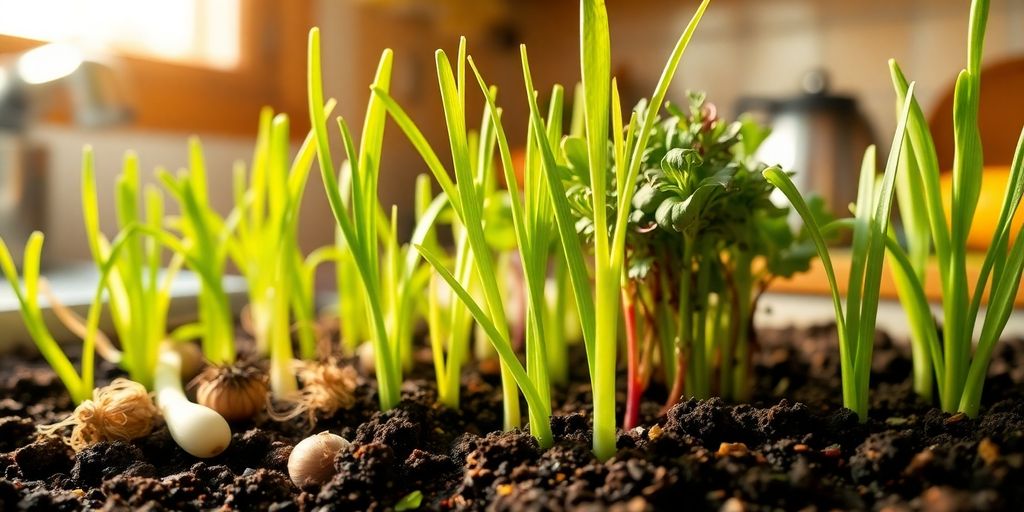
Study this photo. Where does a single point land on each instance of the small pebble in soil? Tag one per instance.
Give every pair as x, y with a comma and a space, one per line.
731, 450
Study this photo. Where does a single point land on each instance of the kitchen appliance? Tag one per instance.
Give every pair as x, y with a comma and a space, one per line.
30, 84
819, 136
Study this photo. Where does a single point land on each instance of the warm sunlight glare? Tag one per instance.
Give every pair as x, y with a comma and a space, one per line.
48, 63
202, 32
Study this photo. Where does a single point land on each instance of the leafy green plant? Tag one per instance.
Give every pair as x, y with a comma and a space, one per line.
599, 311
960, 375
704, 241
856, 321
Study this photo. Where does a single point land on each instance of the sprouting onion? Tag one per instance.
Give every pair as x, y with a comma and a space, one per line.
205, 244
265, 248
139, 295
959, 373
199, 430
79, 385
358, 218
467, 201
856, 321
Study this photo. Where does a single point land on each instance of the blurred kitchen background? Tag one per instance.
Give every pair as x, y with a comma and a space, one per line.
155, 72
205, 67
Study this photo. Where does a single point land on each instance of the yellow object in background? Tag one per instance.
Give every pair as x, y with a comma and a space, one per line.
993, 188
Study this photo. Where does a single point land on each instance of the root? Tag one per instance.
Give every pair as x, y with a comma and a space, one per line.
326, 388
76, 324
121, 411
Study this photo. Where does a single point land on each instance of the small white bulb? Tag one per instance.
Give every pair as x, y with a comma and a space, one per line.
199, 430
312, 460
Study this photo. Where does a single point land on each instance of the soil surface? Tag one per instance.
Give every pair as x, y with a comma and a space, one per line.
794, 447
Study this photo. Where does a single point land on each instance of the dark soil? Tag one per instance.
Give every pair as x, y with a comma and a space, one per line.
793, 448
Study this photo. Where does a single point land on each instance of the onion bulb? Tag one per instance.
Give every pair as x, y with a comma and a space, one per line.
197, 429
312, 460
236, 393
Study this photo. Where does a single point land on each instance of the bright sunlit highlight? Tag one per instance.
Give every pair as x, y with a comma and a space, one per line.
48, 63
204, 32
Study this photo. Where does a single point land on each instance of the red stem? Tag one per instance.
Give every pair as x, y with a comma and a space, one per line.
679, 385
633, 385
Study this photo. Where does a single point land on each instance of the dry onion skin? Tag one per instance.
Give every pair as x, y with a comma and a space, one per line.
312, 460
120, 411
235, 392
326, 388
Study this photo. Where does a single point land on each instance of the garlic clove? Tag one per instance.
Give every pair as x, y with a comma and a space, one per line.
312, 460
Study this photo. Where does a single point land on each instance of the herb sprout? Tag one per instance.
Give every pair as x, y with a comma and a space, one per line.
704, 241
959, 374
856, 322
599, 312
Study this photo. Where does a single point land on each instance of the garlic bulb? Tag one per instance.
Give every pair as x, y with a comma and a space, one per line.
312, 460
